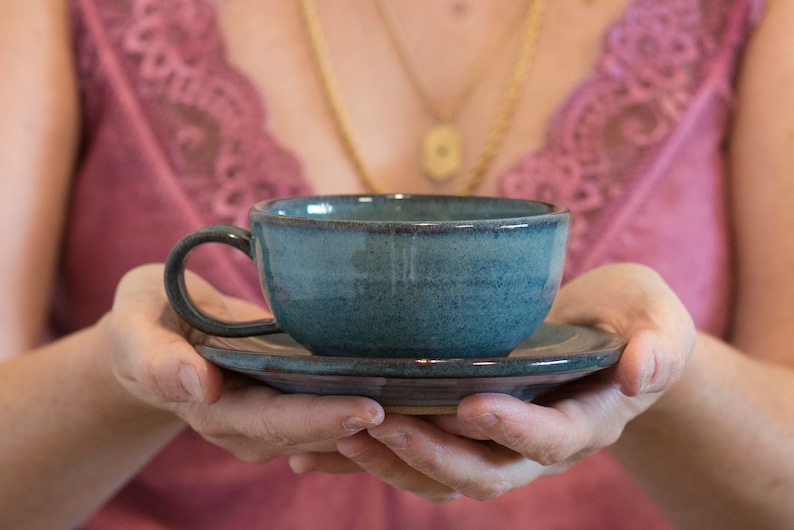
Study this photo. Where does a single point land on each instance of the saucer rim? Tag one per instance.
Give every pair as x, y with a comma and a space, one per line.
526, 360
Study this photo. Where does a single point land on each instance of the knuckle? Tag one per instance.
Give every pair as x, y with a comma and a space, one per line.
554, 453
431, 461
550, 457
428, 458
609, 438
268, 432
510, 436
205, 426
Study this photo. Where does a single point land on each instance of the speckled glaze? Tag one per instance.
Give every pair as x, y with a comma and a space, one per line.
555, 354
395, 276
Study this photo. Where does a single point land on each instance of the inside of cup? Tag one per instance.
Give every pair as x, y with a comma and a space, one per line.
407, 208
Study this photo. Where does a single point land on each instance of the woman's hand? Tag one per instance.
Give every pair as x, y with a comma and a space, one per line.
155, 360
497, 443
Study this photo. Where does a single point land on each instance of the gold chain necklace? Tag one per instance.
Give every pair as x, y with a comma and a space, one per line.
442, 145
497, 131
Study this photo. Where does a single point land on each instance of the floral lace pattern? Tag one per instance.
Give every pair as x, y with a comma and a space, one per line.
654, 63
210, 117
203, 111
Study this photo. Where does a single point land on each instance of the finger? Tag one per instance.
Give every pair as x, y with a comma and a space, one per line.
633, 301
158, 364
256, 422
476, 469
551, 435
650, 363
333, 463
151, 355
155, 346
379, 460
451, 423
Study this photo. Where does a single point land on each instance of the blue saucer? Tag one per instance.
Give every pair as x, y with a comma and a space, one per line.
555, 354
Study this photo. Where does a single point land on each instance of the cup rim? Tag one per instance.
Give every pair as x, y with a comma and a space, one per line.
553, 213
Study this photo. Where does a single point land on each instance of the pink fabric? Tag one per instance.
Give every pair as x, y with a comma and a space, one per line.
175, 141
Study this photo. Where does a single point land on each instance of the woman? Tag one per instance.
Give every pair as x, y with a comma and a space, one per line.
170, 116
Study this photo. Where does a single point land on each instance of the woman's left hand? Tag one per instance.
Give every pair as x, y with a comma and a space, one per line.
497, 443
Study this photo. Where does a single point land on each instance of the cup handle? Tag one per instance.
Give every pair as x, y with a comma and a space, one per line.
180, 299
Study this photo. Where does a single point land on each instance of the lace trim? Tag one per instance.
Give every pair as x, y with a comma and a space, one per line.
655, 60
206, 114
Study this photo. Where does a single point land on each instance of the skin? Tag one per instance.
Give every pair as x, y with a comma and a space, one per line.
707, 426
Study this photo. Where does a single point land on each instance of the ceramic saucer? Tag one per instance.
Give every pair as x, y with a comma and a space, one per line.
555, 354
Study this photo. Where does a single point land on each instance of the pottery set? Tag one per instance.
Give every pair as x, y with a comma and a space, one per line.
413, 300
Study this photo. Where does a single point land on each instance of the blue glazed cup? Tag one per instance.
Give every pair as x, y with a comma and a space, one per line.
411, 276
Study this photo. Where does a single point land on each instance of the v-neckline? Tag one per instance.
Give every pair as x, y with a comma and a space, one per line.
551, 129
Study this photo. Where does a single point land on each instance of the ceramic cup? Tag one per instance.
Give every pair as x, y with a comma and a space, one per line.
418, 276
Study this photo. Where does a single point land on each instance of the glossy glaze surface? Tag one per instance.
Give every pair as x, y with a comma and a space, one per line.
554, 355
410, 276
394, 275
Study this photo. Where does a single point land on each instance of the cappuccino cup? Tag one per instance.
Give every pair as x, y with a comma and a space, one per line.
392, 276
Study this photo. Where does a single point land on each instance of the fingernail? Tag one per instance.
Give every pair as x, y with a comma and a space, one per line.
644, 383
357, 423
300, 463
190, 382
484, 420
646, 378
395, 440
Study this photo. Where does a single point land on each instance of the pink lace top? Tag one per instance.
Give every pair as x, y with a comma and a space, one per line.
174, 140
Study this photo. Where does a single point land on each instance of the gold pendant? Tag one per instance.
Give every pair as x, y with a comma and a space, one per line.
442, 152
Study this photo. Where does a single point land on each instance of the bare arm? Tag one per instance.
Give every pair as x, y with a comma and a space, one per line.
39, 128
80, 416
46, 396
92, 408
71, 436
718, 449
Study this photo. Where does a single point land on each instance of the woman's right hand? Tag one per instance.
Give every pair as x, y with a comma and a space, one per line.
154, 359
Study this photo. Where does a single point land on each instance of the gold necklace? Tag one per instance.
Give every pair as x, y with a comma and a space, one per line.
496, 134
442, 144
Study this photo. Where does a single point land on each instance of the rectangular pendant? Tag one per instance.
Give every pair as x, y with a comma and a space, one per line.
442, 152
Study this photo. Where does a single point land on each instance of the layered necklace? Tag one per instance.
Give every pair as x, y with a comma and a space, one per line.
442, 145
